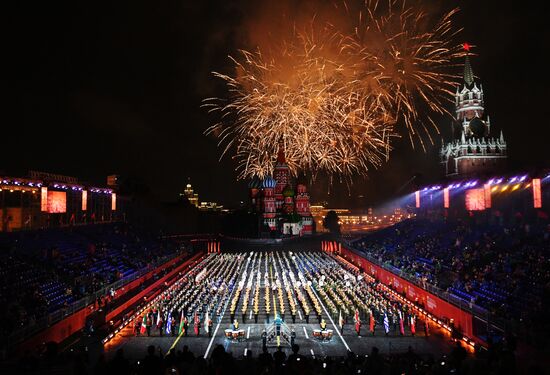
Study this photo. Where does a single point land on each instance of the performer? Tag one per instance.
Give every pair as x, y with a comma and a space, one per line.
357, 323
426, 326
401, 327
173, 325
235, 325
137, 326
197, 324
209, 326
372, 323
413, 325
323, 325
264, 339
341, 322
148, 325
292, 337
160, 324
185, 326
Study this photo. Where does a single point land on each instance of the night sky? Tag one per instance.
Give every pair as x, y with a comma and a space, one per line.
98, 88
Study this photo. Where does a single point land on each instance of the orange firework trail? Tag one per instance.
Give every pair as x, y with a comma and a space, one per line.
334, 98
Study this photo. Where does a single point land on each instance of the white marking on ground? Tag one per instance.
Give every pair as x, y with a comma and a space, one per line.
312, 353
248, 333
300, 315
305, 332
334, 325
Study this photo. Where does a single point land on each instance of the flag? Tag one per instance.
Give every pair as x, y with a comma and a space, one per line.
169, 323
401, 327
143, 328
206, 319
158, 318
413, 325
386, 323
181, 322
341, 320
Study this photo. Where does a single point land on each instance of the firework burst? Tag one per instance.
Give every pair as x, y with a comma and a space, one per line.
334, 98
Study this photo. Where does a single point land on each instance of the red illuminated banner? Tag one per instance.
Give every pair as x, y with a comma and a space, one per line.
446, 197
537, 197
417, 196
475, 199
57, 202
113, 201
84, 200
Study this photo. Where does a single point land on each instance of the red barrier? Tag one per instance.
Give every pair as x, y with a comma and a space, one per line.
433, 304
120, 309
77, 321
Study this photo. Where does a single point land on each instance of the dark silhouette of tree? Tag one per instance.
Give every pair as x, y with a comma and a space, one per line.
331, 222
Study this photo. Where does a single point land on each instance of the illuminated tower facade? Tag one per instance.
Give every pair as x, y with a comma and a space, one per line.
268, 203
475, 149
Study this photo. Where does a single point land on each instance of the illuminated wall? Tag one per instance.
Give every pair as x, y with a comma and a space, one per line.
537, 196
57, 202
84, 200
475, 199
44, 199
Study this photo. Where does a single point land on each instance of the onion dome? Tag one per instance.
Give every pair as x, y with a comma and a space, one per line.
288, 191
255, 183
269, 183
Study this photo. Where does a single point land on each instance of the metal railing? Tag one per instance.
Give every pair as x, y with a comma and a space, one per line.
23, 333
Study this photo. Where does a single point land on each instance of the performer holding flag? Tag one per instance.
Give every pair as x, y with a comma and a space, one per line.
372, 323
413, 325
144, 324
208, 325
401, 327
357, 323
341, 322
196, 324
386, 324
169, 323
182, 322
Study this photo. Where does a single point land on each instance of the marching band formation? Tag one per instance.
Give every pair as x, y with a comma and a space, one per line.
260, 287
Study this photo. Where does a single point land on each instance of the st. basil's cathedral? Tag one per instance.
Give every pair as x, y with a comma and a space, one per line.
282, 201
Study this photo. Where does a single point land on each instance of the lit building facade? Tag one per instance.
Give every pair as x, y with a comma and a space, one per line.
282, 201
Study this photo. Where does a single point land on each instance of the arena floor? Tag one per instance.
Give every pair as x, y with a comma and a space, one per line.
436, 344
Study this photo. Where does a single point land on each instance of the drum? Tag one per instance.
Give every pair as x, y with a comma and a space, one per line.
317, 333
235, 335
228, 333
325, 334
241, 333
329, 334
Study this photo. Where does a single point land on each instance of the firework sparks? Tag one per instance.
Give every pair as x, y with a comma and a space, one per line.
334, 98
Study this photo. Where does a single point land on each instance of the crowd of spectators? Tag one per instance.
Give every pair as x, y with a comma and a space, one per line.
498, 359
44, 271
504, 268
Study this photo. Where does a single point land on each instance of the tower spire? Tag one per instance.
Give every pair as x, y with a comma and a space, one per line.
468, 72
